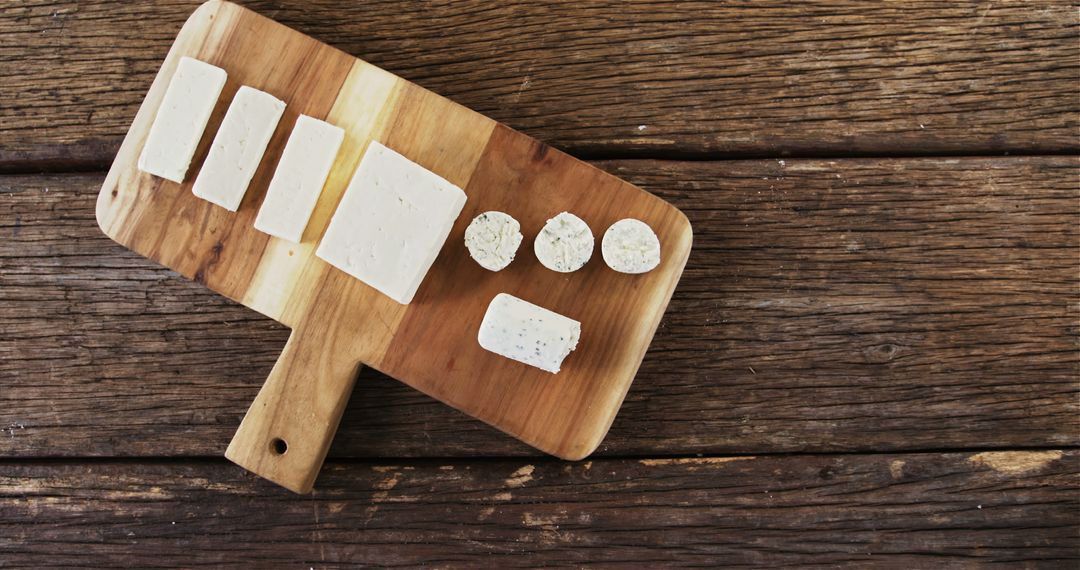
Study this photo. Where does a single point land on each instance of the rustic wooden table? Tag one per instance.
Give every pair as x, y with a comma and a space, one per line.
873, 357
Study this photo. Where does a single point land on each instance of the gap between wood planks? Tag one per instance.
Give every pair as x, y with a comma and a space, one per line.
538, 459
20, 165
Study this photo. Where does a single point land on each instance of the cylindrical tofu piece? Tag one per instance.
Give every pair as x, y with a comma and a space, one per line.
630, 246
528, 333
565, 244
493, 239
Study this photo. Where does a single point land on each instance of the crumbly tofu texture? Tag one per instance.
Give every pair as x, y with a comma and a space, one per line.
391, 223
238, 147
630, 246
565, 244
301, 173
528, 333
181, 119
493, 239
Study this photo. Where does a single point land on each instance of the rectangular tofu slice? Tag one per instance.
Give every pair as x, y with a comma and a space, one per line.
181, 119
391, 223
301, 173
528, 333
238, 147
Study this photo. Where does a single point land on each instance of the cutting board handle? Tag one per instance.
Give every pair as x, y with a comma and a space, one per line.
287, 431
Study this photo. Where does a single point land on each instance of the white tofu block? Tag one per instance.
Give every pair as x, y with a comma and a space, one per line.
301, 173
181, 119
238, 147
391, 223
528, 333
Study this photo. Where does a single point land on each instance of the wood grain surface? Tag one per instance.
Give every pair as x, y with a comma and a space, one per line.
605, 77
914, 510
830, 305
863, 306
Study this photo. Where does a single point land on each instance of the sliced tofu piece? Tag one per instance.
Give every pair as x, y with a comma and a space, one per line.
528, 333
493, 239
238, 147
301, 173
565, 244
181, 119
630, 246
391, 223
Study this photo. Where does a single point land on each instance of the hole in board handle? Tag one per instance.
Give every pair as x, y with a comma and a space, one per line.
278, 446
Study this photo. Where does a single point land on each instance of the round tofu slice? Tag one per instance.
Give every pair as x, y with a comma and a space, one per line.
565, 244
493, 239
630, 246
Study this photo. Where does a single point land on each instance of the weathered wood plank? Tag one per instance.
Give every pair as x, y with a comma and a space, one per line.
827, 305
603, 77
918, 511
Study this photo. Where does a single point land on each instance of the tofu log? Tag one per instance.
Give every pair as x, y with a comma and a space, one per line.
528, 333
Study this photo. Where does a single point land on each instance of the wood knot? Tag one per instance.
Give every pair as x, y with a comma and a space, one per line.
215, 256
540, 152
881, 353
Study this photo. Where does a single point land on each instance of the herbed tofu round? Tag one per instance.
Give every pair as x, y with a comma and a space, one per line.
493, 239
565, 244
630, 246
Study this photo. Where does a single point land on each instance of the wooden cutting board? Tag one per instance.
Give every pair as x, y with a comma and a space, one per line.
339, 322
